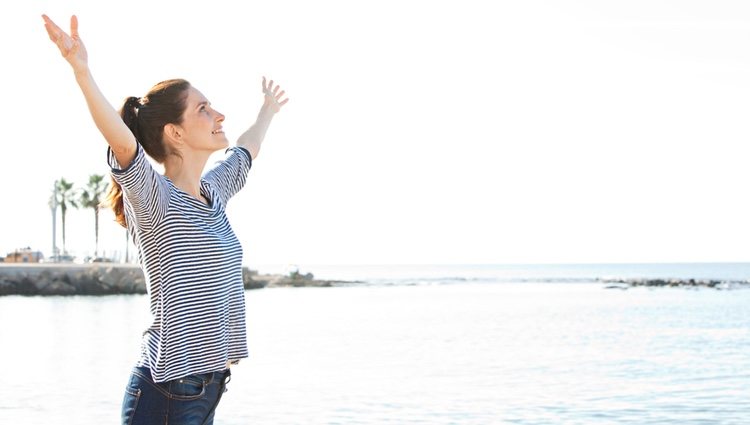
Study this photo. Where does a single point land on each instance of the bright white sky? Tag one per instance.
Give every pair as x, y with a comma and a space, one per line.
417, 132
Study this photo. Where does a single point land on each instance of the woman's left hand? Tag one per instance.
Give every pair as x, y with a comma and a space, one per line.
273, 96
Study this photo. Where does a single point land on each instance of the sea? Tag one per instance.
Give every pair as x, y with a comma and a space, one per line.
420, 344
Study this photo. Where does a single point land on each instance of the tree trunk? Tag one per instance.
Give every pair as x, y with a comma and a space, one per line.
65, 251
96, 232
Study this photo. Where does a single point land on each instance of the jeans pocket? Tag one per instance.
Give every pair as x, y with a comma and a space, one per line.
187, 388
130, 404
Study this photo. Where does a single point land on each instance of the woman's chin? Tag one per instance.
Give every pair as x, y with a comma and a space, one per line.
222, 142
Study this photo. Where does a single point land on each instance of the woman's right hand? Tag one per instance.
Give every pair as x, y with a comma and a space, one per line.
71, 47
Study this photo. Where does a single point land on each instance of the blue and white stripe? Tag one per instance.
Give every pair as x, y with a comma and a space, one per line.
192, 262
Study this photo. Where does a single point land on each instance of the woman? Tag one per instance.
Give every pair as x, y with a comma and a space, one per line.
189, 254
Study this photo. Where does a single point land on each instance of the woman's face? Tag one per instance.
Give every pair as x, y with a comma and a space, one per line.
201, 124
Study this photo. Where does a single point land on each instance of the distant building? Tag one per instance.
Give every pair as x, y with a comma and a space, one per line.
24, 255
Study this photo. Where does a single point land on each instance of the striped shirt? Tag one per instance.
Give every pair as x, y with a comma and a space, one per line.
192, 262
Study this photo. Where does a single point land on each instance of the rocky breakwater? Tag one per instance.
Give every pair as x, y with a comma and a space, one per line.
254, 280
109, 279
71, 279
683, 283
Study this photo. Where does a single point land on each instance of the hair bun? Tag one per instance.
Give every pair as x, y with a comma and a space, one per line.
133, 102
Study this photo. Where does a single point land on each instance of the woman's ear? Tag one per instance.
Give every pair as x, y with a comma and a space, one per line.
173, 134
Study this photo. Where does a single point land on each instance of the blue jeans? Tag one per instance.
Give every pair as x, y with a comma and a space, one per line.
190, 400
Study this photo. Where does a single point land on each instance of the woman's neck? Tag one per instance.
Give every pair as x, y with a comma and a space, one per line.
185, 172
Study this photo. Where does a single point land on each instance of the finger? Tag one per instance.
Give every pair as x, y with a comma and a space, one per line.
284, 102
264, 84
270, 85
56, 35
276, 89
51, 23
278, 96
47, 19
51, 33
74, 26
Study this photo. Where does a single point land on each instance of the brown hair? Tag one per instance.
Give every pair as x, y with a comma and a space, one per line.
146, 117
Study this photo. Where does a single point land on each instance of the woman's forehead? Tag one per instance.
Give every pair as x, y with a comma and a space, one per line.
195, 96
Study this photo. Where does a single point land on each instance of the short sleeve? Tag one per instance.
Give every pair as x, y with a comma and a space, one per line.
143, 188
228, 176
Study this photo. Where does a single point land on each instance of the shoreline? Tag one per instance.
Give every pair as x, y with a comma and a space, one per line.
42, 279
114, 278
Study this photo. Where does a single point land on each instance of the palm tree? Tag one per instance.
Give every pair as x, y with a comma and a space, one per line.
65, 198
91, 197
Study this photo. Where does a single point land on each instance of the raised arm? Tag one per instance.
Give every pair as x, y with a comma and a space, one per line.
272, 103
115, 132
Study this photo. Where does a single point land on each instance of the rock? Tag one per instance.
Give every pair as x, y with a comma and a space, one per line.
58, 287
123, 279
25, 285
40, 284
250, 281
86, 282
112, 277
7, 287
137, 285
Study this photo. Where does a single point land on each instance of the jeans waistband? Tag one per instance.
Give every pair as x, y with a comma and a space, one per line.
210, 377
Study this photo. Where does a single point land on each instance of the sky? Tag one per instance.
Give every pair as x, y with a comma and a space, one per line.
416, 132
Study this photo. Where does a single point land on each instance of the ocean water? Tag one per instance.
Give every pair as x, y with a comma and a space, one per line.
418, 345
